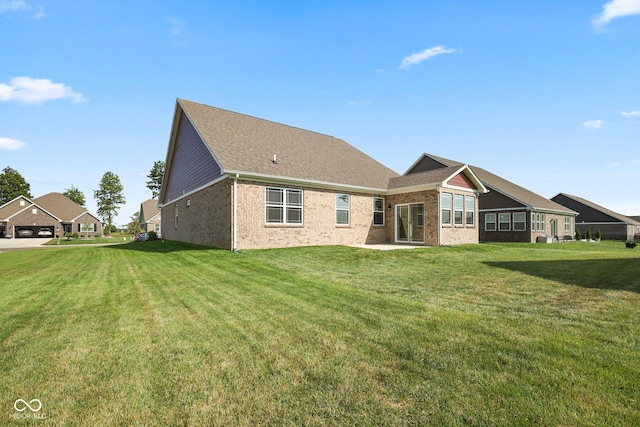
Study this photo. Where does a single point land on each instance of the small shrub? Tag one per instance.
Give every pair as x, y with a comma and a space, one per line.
578, 234
598, 234
97, 235
588, 234
74, 235
153, 235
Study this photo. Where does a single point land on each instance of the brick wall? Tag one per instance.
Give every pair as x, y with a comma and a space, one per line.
319, 220
204, 218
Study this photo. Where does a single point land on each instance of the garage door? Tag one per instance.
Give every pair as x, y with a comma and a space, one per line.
29, 232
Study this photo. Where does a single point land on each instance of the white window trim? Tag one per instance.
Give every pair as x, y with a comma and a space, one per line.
382, 210
567, 224
284, 206
457, 197
494, 222
473, 212
348, 209
508, 222
450, 209
523, 222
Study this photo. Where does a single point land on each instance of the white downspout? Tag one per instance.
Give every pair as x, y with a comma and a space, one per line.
438, 189
234, 243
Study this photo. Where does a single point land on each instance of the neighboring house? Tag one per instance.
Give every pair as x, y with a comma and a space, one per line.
508, 212
150, 216
238, 182
48, 216
612, 225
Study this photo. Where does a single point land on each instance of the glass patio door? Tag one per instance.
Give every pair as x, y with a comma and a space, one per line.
410, 223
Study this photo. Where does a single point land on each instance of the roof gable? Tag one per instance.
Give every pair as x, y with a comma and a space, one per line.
520, 196
148, 209
443, 177
248, 145
591, 212
14, 206
60, 206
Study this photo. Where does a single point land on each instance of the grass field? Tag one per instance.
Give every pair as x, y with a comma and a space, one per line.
162, 333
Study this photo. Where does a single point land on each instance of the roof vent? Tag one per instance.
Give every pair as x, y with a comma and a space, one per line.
275, 160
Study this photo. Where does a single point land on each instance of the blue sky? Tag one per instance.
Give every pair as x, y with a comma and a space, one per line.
543, 93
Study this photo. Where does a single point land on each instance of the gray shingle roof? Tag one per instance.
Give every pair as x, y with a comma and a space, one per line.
242, 143
60, 205
148, 209
616, 215
509, 189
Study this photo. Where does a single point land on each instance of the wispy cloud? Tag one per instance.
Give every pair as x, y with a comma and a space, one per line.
358, 102
592, 124
419, 57
616, 9
21, 6
627, 114
9, 144
614, 165
27, 90
176, 26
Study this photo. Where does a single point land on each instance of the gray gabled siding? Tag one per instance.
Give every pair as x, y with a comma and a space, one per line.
193, 166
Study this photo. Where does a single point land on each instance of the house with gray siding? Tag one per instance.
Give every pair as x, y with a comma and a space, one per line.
509, 212
235, 181
591, 216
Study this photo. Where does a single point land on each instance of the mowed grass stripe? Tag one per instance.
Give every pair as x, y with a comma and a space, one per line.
166, 333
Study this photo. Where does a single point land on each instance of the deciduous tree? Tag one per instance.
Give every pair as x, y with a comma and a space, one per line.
109, 197
155, 178
12, 185
76, 195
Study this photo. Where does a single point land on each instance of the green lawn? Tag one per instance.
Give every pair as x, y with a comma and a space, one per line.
161, 333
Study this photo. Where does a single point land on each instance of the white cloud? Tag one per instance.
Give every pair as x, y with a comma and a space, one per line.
9, 144
635, 113
20, 5
418, 57
616, 9
358, 102
28, 90
592, 124
614, 165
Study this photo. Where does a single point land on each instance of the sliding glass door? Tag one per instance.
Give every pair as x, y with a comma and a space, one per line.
410, 223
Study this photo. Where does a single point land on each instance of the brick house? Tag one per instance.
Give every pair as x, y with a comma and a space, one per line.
612, 225
508, 212
238, 182
150, 218
46, 216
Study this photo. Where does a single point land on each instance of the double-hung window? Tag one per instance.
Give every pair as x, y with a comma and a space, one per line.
447, 200
470, 210
519, 221
504, 221
343, 203
567, 223
490, 222
378, 211
283, 206
458, 209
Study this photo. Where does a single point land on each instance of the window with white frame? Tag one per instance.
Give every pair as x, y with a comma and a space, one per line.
342, 209
175, 217
470, 210
567, 223
490, 222
85, 227
458, 212
378, 211
504, 221
283, 206
447, 201
519, 221
537, 224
